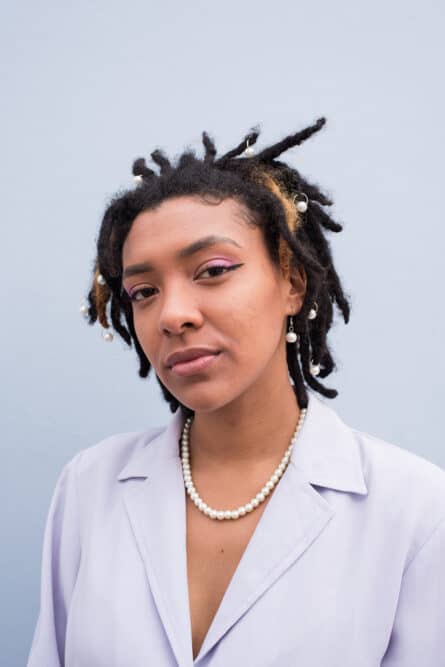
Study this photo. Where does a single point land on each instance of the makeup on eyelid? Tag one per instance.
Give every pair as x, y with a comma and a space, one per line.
212, 264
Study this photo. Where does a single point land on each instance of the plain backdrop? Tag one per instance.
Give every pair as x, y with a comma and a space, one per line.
87, 87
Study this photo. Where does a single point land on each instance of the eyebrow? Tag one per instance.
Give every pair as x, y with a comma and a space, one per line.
196, 246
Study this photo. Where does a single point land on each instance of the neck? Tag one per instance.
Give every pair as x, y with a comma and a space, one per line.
251, 432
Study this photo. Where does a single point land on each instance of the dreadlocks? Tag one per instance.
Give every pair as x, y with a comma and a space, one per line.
268, 190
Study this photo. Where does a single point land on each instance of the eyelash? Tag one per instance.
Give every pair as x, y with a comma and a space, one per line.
231, 267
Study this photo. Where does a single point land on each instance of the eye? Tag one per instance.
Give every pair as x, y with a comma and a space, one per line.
218, 269
141, 293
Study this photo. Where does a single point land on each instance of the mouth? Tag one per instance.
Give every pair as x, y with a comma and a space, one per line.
194, 366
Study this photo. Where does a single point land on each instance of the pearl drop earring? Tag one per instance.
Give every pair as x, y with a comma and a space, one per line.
313, 312
291, 336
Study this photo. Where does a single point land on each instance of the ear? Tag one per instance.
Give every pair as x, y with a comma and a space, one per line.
296, 290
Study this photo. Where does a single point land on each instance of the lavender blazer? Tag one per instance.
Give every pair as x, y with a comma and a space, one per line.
346, 567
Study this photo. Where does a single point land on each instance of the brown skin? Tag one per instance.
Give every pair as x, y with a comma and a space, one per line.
245, 408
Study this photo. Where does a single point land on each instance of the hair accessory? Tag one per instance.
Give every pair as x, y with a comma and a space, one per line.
301, 204
108, 336
138, 179
100, 279
313, 312
252, 504
291, 336
84, 309
315, 369
249, 150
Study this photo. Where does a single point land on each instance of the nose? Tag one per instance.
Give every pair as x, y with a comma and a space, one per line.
179, 311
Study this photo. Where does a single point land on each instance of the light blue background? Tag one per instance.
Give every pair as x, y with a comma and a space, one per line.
89, 86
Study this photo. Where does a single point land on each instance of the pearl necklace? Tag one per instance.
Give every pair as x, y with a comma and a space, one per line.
248, 507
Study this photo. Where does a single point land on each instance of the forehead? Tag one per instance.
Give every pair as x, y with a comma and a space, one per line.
181, 220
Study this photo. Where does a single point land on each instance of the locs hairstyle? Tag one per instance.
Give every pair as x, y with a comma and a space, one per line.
269, 191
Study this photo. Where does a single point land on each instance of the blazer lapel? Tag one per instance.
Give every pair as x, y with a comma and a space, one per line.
154, 497
326, 454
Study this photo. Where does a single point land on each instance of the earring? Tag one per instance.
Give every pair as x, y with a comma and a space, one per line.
313, 312
291, 336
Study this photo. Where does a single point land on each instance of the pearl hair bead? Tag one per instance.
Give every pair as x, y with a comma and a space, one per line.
84, 309
100, 279
108, 336
315, 369
221, 515
313, 312
138, 179
302, 207
249, 151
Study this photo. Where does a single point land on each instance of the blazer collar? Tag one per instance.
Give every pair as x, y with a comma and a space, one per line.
326, 451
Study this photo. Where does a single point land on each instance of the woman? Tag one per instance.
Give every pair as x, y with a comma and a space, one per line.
257, 528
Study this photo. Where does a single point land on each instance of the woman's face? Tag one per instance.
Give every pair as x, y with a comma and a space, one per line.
200, 277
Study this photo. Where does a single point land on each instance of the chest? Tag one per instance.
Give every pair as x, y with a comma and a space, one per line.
214, 550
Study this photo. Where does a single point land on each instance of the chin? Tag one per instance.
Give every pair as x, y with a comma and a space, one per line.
203, 398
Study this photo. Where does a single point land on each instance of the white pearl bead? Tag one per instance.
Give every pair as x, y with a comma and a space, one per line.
138, 179
291, 337
84, 309
244, 509
312, 314
315, 369
108, 336
100, 279
249, 151
302, 207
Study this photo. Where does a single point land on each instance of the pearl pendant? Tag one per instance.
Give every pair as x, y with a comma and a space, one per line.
291, 337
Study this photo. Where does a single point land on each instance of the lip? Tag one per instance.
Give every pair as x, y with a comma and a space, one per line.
194, 366
188, 355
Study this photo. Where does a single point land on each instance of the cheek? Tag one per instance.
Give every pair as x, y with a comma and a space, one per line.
147, 334
256, 313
